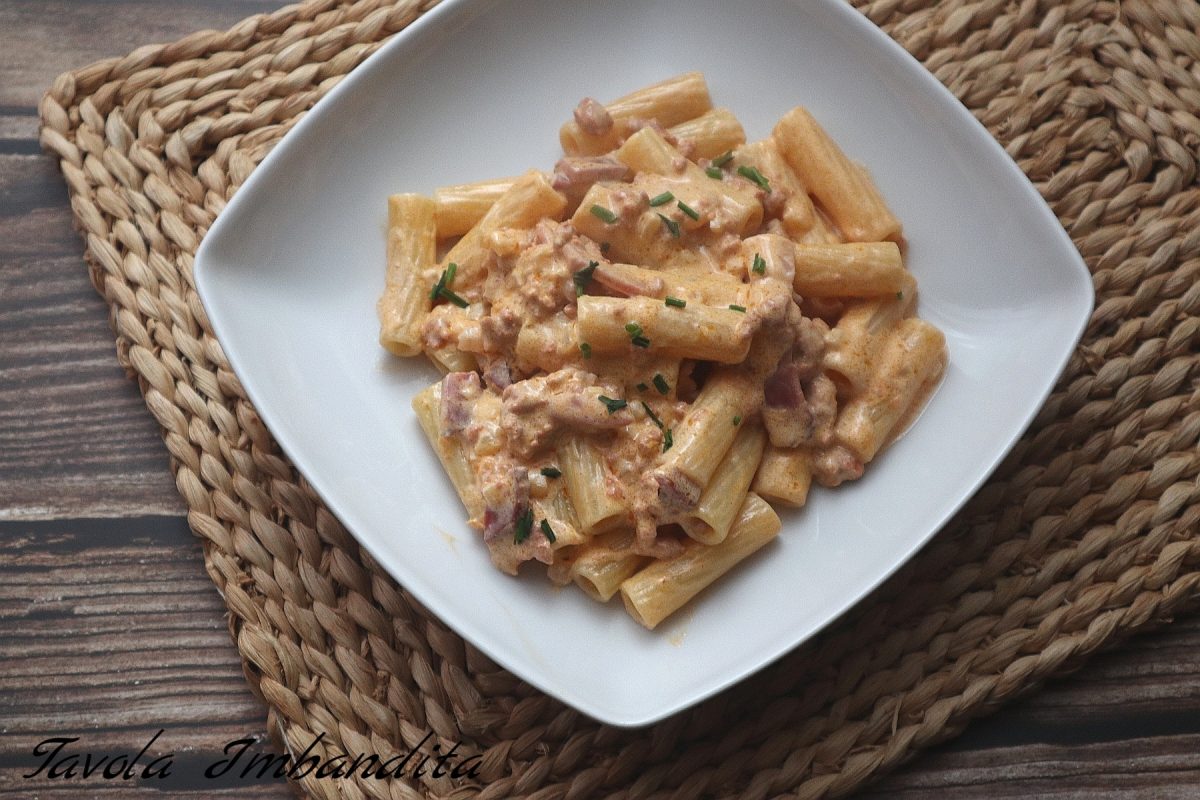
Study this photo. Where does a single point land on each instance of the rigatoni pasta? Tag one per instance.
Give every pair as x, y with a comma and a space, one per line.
648, 345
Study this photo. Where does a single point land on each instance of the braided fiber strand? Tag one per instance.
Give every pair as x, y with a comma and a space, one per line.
1088, 532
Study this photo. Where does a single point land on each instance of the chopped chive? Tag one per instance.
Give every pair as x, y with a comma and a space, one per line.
685, 208
715, 173
662, 199
604, 247
653, 417
641, 387
671, 224
586, 349
524, 526
453, 298
546, 529
437, 287
739, 309
640, 341
552, 472
443, 285
633, 329
675, 301
603, 213
899, 295
723, 159
760, 266
584, 277
752, 173
612, 405
737, 420
661, 384
668, 440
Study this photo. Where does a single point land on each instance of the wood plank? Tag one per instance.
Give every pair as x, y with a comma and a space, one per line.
75, 436
120, 617
43, 38
1163, 767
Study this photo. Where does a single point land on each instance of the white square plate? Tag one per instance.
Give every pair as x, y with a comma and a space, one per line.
291, 271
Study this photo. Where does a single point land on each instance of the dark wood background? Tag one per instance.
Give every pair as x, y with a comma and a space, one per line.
110, 630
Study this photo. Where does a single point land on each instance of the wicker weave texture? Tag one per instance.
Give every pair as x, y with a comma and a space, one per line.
1089, 531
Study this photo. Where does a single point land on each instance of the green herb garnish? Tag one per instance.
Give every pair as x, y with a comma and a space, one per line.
546, 529
642, 387
671, 224
739, 309
760, 266
552, 472
714, 173
675, 301
635, 335
667, 440
685, 208
612, 405
723, 159
524, 526
586, 349
653, 417
661, 384
662, 199
584, 277
899, 295
737, 420
752, 173
442, 287
453, 298
603, 213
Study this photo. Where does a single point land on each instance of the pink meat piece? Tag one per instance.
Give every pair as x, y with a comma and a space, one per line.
459, 392
592, 117
782, 389
506, 507
574, 176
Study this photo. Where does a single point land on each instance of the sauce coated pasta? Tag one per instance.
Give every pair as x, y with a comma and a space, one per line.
648, 346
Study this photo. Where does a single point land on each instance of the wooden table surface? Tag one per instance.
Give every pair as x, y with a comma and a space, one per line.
110, 630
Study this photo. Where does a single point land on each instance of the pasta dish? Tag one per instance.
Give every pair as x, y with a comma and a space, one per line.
648, 346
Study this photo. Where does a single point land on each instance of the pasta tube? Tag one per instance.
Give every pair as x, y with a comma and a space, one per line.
784, 476
710, 522
616, 324
850, 270
797, 212
710, 134
588, 485
708, 430
604, 563
841, 186
529, 199
461, 207
851, 346
912, 360
411, 252
449, 450
660, 589
668, 102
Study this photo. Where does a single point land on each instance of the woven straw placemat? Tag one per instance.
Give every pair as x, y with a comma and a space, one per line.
1089, 531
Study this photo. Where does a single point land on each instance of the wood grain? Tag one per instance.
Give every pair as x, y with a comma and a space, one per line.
110, 629
75, 439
